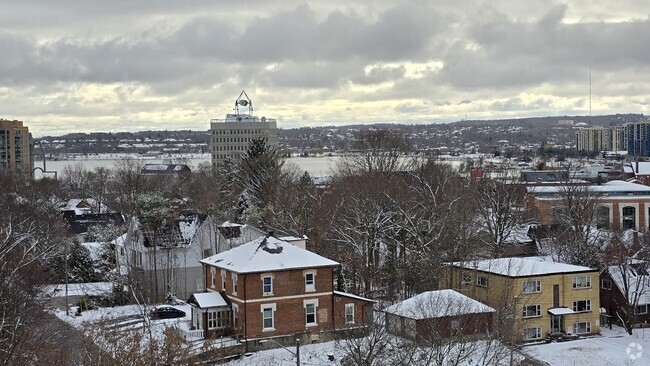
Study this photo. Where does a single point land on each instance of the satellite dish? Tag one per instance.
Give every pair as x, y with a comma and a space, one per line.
243, 103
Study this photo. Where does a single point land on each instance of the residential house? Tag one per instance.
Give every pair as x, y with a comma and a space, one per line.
637, 170
83, 213
543, 296
621, 205
180, 243
269, 287
434, 315
631, 278
166, 169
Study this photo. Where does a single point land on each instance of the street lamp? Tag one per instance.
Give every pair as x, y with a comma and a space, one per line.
296, 354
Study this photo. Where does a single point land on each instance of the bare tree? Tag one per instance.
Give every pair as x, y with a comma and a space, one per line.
376, 152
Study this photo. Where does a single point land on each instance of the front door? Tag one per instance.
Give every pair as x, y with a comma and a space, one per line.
557, 323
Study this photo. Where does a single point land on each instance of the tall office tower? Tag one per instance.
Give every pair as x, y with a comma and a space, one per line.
638, 138
15, 148
229, 137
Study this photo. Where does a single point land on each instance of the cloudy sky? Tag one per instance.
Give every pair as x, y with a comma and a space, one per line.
122, 65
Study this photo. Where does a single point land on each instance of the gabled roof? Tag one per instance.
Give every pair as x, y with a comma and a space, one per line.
206, 300
638, 280
522, 267
437, 304
267, 254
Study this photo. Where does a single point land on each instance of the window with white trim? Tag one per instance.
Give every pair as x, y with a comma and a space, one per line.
235, 314
267, 285
310, 311
482, 281
532, 333
212, 319
349, 313
532, 311
532, 286
605, 284
268, 317
213, 277
234, 283
580, 306
582, 282
582, 328
466, 278
641, 309
310, 281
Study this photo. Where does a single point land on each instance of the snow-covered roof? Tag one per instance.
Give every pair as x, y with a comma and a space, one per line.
357, 297
643, 168
561, 311
267, 253
522, 266
613, 186
437, 304
638, 280
209, 300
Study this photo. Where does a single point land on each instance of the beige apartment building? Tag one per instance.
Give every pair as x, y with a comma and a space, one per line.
543, 296
15, 146
230, 137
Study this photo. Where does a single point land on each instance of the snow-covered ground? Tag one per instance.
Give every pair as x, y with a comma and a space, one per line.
612, 347
124, 319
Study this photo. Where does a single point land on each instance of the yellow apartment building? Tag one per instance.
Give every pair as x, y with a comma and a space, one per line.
542, 296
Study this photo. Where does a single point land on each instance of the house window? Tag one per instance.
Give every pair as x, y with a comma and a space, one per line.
235, 314
207, 253
268, 317
629, 217
582, 306
642, 309
267, 285
349, 313
310, 281
212, 319
466, 278
213, 276
234, 283
532, 311
218, 319
310, 311
602, 217
582, 328
582, 282
482, 281
606, 284
455, 324
532, 333
223, 280
530, 287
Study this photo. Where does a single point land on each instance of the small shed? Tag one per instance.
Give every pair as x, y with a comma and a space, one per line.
211, 313
438, 314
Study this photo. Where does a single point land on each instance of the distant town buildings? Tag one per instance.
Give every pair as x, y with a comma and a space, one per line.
230, 137
633, 137
15, 148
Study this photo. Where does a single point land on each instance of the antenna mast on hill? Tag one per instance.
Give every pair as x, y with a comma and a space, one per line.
590, 95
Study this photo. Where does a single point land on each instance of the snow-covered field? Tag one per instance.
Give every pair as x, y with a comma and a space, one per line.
613, 347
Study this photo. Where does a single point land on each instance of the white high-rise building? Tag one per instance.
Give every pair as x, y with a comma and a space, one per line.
229, 137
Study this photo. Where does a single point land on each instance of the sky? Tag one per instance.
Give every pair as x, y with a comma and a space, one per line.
123, 65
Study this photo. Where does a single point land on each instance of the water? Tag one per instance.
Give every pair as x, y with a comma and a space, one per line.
316, 166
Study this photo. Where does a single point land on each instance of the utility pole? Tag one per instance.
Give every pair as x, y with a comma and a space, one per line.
298, 352
67, 309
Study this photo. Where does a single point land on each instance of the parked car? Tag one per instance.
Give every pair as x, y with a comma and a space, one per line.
166, 312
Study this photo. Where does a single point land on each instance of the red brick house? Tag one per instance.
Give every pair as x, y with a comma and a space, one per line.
633, 278
269, 287
438, 314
